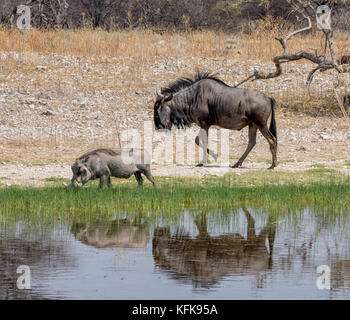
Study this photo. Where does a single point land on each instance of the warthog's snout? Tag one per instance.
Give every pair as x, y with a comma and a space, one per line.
75, 184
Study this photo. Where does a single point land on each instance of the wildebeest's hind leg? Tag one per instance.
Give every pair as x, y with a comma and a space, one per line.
252, 142
272, 142
202, 141
139, 178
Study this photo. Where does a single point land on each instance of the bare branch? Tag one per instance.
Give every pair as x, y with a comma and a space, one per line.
331, 49
284, 40
321, 61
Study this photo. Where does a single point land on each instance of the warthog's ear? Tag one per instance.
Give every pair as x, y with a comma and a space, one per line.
168, 98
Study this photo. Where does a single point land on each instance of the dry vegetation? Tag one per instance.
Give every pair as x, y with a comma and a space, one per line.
259, 44
238, 54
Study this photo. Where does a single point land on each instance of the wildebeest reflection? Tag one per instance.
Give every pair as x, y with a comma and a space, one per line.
205, 259
117, 234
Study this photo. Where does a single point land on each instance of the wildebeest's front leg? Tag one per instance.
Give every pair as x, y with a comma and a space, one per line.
202, 141
252, 142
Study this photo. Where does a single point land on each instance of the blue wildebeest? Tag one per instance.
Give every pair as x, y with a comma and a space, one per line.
206, 259
207, 101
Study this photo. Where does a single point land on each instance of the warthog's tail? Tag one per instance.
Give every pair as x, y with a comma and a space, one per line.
273, 126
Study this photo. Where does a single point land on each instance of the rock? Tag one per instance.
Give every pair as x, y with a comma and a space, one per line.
41, 68
47, 113
324, 136
302, 148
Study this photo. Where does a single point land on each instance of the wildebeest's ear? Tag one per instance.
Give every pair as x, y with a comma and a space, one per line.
168, 98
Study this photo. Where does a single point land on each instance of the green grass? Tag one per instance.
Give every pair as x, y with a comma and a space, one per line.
319, 166
271, 192
59, 181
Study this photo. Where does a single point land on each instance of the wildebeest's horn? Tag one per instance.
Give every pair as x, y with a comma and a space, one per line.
159, 95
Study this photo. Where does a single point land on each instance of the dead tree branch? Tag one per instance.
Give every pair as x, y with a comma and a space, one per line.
322, 62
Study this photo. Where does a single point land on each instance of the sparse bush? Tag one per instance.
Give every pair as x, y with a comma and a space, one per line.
226, 15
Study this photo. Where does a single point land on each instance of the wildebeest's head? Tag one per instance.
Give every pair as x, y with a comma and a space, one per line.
162, 112
81, 174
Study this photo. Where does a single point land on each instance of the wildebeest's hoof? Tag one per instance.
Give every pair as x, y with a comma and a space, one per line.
237, 165
200, 165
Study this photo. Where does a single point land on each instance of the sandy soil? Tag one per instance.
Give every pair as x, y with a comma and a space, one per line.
28, 175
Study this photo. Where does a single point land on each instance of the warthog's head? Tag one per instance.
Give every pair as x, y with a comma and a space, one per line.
162, 112
81, 174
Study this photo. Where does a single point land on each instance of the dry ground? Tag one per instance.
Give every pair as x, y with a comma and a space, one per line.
55, 106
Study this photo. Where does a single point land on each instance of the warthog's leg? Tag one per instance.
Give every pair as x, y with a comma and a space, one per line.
252, 142
272, 142
103, 180
149, 176
139, 178
73, 183
202, 141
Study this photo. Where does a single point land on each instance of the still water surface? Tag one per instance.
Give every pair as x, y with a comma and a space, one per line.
241, 255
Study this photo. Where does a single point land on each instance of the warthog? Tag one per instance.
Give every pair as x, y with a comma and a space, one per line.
107, 163
121, 233
207, 101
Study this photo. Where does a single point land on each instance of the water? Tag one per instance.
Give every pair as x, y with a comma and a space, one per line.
239, 255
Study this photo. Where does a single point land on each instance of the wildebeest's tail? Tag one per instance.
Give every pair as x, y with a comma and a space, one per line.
273, 126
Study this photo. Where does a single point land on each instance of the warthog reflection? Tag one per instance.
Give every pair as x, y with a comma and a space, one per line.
118, 234
205, 259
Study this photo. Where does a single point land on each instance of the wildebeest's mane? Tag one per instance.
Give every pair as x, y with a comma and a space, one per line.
95, 152
180, 121
183, 83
